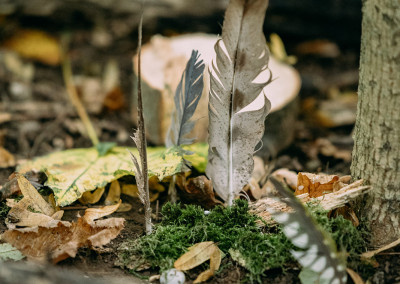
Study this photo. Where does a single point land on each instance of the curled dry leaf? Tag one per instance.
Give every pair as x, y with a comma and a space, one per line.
154, 186
92, 197
114, 193
315, 185
60, 240
37, 201
198, 254
198, 190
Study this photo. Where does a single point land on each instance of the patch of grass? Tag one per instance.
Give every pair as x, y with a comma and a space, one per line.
235, 232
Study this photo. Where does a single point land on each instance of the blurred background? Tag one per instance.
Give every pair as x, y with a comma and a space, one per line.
320, 39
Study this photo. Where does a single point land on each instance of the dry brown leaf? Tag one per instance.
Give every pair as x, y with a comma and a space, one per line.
253, 189
315, 184
196, 255
354, 276
60, 240
92, 214
114, 193
347, 212
35, 45
6, 159
92, 197
37, 202
114, 99
198, 190
286, 176
370, 254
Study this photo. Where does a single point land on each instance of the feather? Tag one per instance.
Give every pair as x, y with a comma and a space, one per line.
237, 104
187, 97
318, 251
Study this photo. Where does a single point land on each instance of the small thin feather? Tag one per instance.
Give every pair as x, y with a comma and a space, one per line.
318, 252
186, 99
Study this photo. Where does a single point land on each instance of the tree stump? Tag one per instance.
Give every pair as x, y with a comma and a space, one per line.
164, 60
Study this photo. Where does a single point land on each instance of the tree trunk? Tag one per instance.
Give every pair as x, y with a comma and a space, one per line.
376, 154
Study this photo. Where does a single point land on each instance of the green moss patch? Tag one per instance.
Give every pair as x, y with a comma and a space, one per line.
236, 233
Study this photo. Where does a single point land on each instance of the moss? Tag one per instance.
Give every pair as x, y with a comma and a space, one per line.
349, 239
4, 209
236, 233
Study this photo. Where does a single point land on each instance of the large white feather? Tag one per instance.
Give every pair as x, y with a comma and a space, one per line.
237, 104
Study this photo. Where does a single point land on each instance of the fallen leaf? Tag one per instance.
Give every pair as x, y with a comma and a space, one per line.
92, 197
36, 200
370, 254
6, 159
92, 214
154, 186
278, 50
37, 45
215, 262
286, 176
70, 173
198, 254
347, 212
198, 190
114, 193
124, 207
7, 251
315, 185
253, 189
354, 276
62, 239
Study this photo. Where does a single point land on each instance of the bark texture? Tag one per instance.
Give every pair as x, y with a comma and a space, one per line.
376, 154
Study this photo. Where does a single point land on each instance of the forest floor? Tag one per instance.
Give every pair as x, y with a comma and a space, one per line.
39, 126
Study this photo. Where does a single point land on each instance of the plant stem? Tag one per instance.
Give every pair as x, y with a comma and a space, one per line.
73, 95
142, 134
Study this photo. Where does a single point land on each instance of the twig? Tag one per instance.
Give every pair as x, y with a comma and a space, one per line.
328, 201
140, 140
73, 95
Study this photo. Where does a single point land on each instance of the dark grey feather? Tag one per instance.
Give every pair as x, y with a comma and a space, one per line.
186, 99
318, 251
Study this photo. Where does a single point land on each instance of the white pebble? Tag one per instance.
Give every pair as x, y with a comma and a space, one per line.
172, 276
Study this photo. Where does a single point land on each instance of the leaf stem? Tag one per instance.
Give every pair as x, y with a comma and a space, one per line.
73, 94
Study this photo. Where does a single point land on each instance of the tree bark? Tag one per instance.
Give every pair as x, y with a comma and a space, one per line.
376, 153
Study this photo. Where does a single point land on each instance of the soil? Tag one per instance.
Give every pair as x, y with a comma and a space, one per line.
38, 134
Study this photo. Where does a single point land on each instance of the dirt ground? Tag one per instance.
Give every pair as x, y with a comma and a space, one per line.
38, 128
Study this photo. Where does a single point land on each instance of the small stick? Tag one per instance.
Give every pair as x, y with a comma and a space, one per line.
73, 95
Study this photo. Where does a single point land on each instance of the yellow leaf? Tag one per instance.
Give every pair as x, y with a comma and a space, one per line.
37, 45
278, 50
196, 255
114, 193
70, 173
92, 197
215, 262
355, 276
